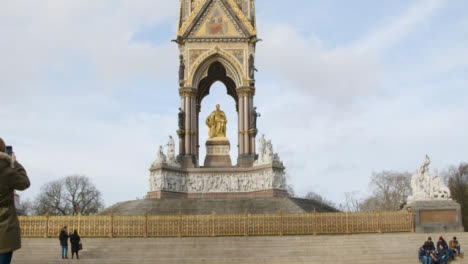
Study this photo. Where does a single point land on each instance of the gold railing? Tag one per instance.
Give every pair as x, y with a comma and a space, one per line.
219, 225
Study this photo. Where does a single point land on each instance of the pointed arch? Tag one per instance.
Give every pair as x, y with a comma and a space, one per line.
201, 66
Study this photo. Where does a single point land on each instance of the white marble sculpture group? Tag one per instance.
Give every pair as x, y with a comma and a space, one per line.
265, 153
427, 186
265, 174
169, 158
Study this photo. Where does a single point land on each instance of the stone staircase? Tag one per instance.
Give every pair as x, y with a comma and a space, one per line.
204, 206
360, 248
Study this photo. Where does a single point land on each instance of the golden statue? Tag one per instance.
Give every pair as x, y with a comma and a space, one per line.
216, 123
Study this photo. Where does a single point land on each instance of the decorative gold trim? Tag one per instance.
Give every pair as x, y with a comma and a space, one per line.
185, 132
245, 91
242, 17
187, 92
253, 131
250, 131
216, 50
199, 5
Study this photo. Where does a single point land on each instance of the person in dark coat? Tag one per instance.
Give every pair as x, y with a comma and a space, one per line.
63, 237
12, 177
444, 244
442, 255
429, 245
75, 241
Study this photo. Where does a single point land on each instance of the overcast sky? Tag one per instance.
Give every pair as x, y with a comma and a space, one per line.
345, 89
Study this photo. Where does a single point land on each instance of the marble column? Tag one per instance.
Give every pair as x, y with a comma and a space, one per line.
246, 148
188, 99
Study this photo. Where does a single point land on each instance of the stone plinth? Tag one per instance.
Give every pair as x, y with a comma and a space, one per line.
435, 216
217, 153
168, 181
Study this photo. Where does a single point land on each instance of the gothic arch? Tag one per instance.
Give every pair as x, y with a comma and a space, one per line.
201, 66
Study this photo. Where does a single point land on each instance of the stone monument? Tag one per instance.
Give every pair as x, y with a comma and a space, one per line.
434, 209
217, 42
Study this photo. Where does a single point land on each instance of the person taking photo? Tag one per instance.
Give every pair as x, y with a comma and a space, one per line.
12, 177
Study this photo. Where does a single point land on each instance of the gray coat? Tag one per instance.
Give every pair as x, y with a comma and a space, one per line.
12, 177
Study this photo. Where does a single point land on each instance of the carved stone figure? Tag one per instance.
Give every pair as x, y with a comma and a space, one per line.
253, 118
160, 158
171, 150
425, 165
266, 154
261, 145
181, 69
181, 119
216, 123
427, 186
252, 68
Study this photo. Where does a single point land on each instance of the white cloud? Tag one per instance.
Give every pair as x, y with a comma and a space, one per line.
336, 76
394, 32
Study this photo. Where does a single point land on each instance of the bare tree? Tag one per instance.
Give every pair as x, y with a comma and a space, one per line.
25, 208
69, 196
352, 203
319, 198
290, 190
51, 199
390, 190
458, 185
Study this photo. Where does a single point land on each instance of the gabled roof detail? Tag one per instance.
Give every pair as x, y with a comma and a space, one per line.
216, 22
202, 6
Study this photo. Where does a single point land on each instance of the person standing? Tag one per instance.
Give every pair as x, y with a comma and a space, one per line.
75, 242
12, 177
63, 237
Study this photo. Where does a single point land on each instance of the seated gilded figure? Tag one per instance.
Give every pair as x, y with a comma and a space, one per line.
216, 123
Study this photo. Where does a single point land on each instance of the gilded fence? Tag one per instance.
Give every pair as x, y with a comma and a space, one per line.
219, 225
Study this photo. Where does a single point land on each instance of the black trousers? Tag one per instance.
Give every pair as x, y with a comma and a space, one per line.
75, 252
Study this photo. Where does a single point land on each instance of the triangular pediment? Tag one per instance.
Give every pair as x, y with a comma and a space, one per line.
217, 19
217, 24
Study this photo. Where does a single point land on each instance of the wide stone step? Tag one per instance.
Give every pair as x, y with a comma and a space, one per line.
359, 248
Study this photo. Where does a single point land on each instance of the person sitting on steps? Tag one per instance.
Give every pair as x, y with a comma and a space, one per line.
443, 243
429, 245
454, 245
425, 256
442, 255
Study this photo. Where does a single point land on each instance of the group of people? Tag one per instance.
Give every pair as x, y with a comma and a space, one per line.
75, 242
429, 254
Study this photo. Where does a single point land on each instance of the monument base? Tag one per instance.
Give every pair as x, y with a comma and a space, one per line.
225, 206
217, 153
168, 181
245, 161
436, 216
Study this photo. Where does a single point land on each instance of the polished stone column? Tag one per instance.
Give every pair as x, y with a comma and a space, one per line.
188, 98
246, 148
240, 114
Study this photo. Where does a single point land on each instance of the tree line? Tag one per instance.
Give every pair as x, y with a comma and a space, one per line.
390, 189
71, 195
